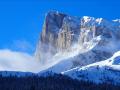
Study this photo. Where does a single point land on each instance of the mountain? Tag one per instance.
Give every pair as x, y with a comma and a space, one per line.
83, 48
82, 40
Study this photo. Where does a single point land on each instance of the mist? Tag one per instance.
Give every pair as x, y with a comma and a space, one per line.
17, 61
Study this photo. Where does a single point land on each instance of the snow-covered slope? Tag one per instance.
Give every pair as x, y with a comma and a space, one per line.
107, 71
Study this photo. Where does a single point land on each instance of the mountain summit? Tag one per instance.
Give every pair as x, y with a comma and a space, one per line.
81, 40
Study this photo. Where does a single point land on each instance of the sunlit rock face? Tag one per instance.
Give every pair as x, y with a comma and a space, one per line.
93, 39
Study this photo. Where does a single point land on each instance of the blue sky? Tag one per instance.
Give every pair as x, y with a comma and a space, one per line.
21, 21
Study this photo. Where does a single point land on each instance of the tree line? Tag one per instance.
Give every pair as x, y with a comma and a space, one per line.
52, 82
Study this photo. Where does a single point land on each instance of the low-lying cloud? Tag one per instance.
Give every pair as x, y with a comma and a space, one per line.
17, 61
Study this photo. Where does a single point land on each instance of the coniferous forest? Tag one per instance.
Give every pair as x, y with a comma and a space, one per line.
55, 82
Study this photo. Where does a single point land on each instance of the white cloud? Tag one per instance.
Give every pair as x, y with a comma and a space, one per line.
17, 61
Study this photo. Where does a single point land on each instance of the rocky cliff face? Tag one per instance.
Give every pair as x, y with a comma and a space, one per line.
94, 38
